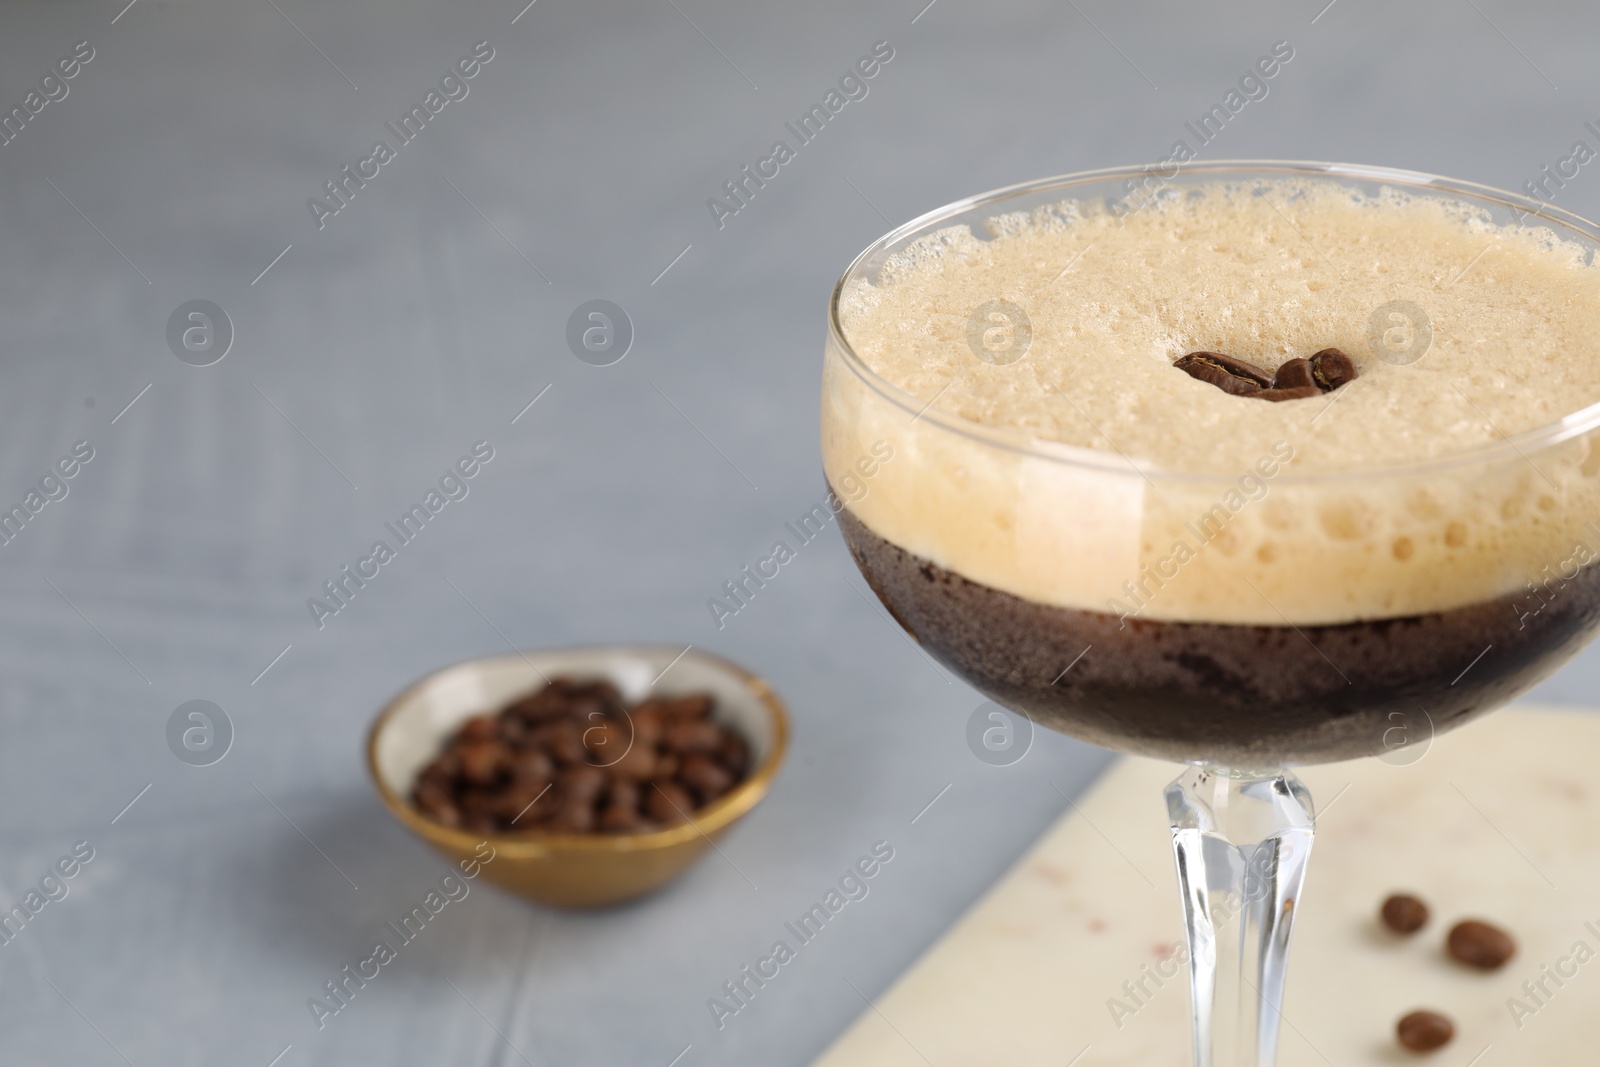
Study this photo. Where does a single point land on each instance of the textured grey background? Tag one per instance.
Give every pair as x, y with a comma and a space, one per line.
408, 328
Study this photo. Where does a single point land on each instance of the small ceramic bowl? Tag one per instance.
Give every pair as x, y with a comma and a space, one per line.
576, 870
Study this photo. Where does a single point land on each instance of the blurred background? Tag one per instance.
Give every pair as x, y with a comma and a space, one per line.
360, 352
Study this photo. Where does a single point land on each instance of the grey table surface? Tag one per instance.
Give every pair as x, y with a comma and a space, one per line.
425, 316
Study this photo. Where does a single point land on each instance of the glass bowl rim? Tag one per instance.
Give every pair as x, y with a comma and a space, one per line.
1517, 446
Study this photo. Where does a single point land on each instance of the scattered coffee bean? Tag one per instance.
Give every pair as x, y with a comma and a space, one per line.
1404, 913
1480, 944
1295, 374
571, 757
1332, 368
1424, 1031
1226, 373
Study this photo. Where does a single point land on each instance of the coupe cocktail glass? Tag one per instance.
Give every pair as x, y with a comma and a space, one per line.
965, 511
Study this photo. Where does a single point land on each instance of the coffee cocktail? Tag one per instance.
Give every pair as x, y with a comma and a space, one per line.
1274, 464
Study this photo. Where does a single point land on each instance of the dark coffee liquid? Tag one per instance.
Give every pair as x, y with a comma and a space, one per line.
1240, 696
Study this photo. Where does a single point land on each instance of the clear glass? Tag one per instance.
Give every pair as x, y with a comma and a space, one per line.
944, 515
1241, 841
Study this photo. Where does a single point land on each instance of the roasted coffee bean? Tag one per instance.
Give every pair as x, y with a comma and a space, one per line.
734, 754
478, 808
447, 767
605, 691
618, 819
667, 802
533, 763
1404, 913
532, 768
646, 720
626, 793
571, 757
572, 689
518, 811
515, 731
650, 707
565, 697
592, 708
533, 815
637, 762
480, 823
482, 761
606, 738
1480, 944
547, 703
525, 799
694, 706
575, 817
479, 728
1424, 1031
436, 801
581, 781
441, 772
1275, 395
563, 739
695, 735
620, 812
1295, 374
1231, 375
1332, 368
708, 778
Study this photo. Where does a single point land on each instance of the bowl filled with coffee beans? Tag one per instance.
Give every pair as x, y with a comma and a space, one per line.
594, 775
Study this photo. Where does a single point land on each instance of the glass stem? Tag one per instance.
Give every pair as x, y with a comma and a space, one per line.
1241, 840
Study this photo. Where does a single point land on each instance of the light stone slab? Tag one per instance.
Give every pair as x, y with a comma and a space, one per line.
1500, 820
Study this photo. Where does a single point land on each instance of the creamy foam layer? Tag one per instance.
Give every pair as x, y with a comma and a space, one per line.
1515, 318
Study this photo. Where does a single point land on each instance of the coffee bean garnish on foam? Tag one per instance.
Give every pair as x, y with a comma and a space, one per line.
1332, 368
1231, 375
1295, 380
